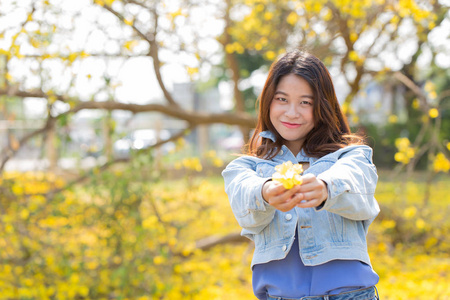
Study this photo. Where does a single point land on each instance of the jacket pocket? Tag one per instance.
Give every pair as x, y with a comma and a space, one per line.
338, 227
273, 232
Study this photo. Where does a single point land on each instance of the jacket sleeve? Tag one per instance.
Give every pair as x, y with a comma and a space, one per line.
244, 189
351, 185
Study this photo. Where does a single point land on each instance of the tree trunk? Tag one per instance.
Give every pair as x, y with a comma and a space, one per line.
107, 132
52, 149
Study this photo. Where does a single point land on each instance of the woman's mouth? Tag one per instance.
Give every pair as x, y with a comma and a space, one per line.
291, 125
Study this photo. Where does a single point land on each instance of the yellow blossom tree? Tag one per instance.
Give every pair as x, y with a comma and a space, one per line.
352, 37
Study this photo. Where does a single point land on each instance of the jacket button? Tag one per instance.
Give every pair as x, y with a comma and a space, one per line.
288, 217
281, 152
284, 247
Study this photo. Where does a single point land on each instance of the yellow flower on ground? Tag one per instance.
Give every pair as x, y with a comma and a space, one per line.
420, 224
288, 174
157, 260
410, 212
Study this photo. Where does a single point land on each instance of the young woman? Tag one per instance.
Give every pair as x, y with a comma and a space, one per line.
310, 241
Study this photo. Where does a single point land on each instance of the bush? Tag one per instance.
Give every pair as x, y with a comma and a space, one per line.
126, 235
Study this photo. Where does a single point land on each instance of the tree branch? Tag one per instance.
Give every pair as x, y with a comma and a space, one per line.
414, 88
191, 117
153, 53
149, 38
11, 152
209, 242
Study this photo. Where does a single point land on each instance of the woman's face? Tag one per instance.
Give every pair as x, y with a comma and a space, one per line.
291, 110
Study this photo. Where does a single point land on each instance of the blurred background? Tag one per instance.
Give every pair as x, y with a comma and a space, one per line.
117, 117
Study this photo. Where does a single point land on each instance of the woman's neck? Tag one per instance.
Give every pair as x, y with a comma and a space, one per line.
295, 149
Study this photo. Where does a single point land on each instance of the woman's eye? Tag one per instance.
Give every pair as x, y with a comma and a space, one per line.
306, 103
281, 99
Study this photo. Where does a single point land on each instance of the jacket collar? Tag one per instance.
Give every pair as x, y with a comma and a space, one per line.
301, 156
268, 135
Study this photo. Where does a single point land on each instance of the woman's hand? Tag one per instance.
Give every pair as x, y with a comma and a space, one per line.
313, 192
277, 196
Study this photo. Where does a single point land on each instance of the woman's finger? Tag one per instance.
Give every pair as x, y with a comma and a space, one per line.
309, 203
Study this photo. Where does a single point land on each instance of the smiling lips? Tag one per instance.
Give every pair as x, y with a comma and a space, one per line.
291, 125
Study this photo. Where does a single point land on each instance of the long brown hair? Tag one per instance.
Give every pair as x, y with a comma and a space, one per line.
331, 130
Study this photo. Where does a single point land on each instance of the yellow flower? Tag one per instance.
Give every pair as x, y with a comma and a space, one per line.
24, 214
416, 103
420, 224
405, 151
229, 48
270, 55
432, 95
388, 224
401, 157
392, 119
157, 260
268, 15
410, 152
283, 168
128, 22
410, 212
441, 163
353, 55
402, 143
288, 174
292, 18
429, 86
433, 113
192, 71
129, 45
192, 163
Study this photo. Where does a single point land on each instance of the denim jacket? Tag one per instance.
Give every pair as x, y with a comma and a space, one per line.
335, 230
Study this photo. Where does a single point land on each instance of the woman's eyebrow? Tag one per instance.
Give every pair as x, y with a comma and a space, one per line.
282, 93
302, 96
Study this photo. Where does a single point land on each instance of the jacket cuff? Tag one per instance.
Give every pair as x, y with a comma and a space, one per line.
335, 188
260, 203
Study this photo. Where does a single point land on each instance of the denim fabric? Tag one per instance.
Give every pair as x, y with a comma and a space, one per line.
363, 294
336, 230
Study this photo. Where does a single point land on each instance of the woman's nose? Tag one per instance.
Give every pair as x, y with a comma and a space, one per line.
292, 112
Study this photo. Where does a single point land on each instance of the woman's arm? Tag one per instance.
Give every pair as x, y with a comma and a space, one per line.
351, 184
244, 189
